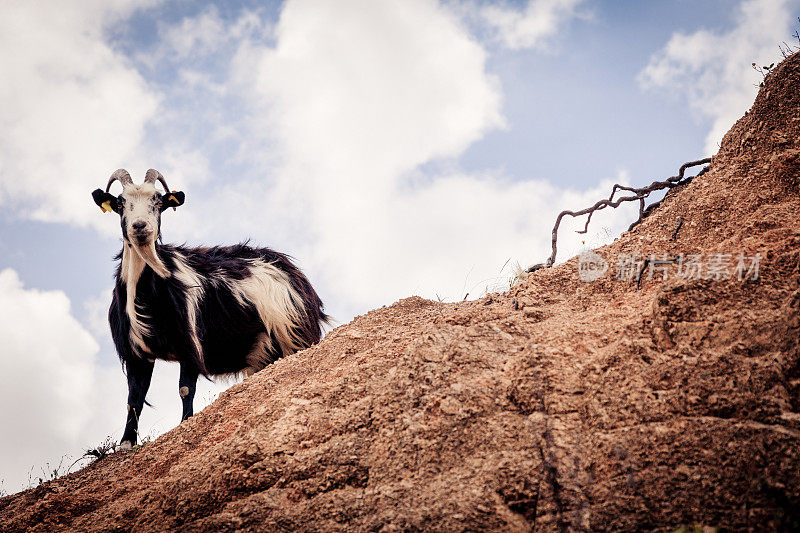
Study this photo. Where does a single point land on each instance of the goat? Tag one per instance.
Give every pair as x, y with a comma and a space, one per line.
219, 310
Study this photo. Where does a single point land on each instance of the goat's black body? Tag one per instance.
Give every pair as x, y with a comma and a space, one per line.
227, 328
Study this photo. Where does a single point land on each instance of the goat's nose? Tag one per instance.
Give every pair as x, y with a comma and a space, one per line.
139, 225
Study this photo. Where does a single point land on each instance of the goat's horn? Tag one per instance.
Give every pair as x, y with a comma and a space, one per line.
153, 175
122, 176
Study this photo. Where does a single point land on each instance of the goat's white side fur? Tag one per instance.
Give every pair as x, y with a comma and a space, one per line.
267, 288
194, 294
134, 259
278, 304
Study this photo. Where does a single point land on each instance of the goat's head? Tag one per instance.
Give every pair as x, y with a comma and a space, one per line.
139, 206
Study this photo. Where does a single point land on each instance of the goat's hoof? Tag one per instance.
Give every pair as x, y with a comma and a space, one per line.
125, 445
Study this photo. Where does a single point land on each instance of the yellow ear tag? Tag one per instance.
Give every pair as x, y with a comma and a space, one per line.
106, 206
173, 199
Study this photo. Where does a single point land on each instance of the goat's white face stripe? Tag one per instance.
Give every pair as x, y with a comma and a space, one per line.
140, 205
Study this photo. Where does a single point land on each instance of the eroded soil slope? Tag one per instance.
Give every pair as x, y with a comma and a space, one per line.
560, 405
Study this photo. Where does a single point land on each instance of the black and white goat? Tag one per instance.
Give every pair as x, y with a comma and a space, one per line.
216, 311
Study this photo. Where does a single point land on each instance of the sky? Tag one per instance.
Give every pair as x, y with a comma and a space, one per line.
393, 147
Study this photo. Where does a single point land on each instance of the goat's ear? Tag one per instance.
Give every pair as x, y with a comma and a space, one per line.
106, 201
172, 199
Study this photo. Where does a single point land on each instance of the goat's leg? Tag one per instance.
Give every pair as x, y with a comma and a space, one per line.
139, 373
187, 384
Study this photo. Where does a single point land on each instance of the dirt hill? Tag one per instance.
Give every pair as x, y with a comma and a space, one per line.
559, 405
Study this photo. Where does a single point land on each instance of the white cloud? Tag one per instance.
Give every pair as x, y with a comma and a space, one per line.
206, 33
357, 97
73, 109
452, 234
391, 83
46, 368
713, 69
197, 34
533, 26
95, 312
58, 399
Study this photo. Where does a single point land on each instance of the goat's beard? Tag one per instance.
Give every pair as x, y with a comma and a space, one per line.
149, 255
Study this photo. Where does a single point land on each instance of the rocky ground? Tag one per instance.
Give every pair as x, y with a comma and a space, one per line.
560, 405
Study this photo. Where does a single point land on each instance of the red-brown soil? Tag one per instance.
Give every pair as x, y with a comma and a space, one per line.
560, 405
